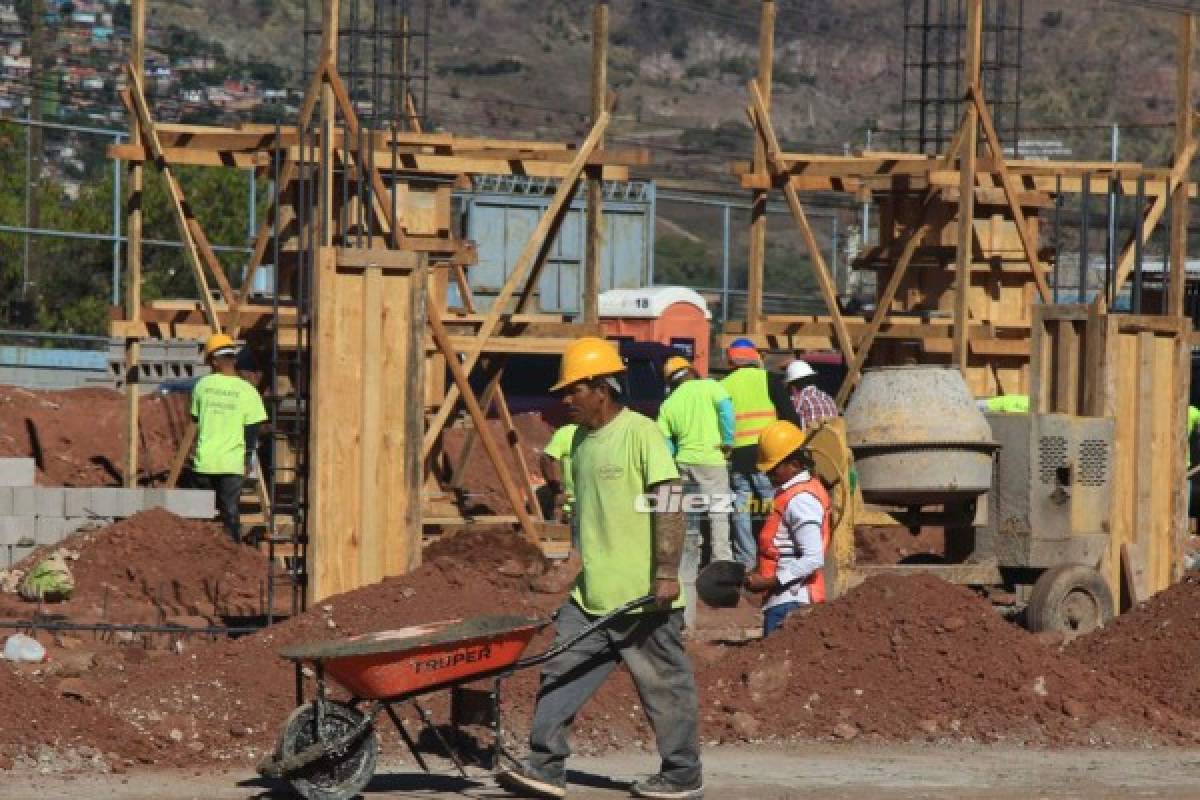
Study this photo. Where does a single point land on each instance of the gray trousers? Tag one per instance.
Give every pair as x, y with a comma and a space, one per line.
710, 479
651, 646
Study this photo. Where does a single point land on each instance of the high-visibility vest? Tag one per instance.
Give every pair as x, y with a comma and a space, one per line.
752, 407
768, 550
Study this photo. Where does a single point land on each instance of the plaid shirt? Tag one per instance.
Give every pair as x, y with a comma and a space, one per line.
813, 405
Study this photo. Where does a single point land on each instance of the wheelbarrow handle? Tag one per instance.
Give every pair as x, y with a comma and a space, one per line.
588, 630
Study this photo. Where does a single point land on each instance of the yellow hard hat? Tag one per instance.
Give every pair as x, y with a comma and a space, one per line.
673, 365
589, 357
218, 341
777, 441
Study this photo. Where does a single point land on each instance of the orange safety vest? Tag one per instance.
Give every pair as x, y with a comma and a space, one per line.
768, 554
753, 410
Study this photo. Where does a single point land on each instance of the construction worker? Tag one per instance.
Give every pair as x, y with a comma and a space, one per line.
697, 419
812, 403
227, 411
628, 549
759, 399
792, 544
555, 463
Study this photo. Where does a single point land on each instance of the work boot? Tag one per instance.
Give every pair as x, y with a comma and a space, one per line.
524, 781
660, 787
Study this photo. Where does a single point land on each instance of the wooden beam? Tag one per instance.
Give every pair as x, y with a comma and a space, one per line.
595, 184
133, 257
546, 227
756, 263
1010, 192
1184, 121
966, 203
459, 374
762, 123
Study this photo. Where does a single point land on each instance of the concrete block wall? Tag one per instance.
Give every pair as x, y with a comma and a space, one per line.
38, 515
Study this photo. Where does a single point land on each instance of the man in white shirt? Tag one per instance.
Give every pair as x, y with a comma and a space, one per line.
793, 541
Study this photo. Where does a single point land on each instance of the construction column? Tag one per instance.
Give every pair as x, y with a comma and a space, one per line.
133, 251
966, 188
756, 263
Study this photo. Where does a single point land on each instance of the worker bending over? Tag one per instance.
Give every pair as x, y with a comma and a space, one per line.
618, 457
759, 399
697, 419
792, 544
812, 404
227, 411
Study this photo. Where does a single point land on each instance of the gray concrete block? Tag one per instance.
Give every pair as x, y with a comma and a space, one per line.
17, 531
118, 503
17, 471
50, 501
187, 503
25, 501
6, 501
52, 530
78, 503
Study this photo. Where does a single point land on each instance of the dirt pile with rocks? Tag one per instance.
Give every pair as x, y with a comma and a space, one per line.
153, 568
905, 658
77, 436
52, 730
1154, 648
481, 481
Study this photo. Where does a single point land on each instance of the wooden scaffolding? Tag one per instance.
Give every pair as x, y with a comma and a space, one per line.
364, 251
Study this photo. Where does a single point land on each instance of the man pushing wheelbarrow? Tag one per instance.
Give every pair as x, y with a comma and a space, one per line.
625, 606
618, 457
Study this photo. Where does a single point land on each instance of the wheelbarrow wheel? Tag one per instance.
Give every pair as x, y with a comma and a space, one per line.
335, 776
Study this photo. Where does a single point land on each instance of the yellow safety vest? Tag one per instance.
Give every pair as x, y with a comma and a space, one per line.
752, 407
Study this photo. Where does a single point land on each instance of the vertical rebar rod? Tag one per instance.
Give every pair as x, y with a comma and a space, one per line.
725, 262
272, 475
904, 62
939, 107
1016, 123
924, 74
1058, 207
116, 227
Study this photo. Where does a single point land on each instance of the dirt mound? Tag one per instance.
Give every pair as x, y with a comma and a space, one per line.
77, 436
912, 658
55, 729
153, 567
888, 544
228, 698
1153, 648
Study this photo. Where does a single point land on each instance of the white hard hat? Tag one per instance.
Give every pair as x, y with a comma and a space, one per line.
799, 369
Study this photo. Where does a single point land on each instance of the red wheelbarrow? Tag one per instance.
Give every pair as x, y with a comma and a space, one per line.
328, 749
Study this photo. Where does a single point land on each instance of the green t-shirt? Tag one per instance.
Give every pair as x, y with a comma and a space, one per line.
223, 406
613, 467
559, 448
1009, 404
689, 418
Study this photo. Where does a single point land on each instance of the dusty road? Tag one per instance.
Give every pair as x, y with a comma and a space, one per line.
848, 772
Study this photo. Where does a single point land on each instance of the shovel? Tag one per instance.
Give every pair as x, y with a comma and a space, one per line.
719, 584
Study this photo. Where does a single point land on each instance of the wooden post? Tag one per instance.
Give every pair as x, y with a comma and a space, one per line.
595, 186
966, 189
1183, 138
756, 263
133, 252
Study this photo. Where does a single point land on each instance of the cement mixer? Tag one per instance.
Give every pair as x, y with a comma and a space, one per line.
1023, 498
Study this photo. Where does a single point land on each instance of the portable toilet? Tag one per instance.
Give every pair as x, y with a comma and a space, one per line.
672, 315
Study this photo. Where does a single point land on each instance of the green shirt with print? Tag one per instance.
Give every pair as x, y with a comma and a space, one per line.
559, 448
689, 418
223, 405
613, 467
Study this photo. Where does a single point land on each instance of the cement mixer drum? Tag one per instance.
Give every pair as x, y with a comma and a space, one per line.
918, 438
